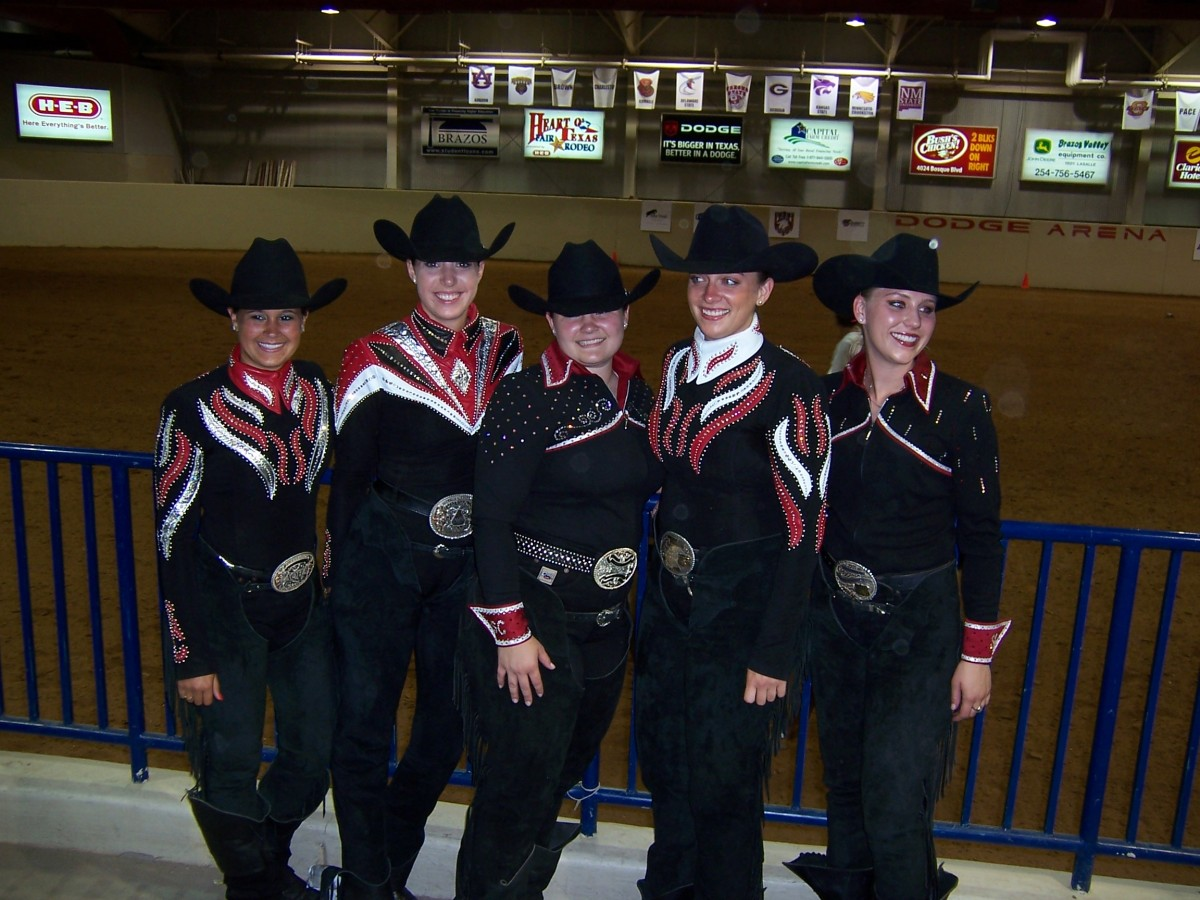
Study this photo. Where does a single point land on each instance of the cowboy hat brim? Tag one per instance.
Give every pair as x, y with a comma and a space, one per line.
220, 300
579, 306
840, 279
781, 262
397, 243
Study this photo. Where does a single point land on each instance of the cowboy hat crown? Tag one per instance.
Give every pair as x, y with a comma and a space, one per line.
443, 230
583, 279
904, 262
268, 276
731, 239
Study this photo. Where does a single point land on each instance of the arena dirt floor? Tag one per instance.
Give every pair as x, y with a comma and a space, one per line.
1094, 400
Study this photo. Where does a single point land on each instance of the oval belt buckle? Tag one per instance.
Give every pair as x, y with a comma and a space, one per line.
606, 617
855, 580
677, 554
614, 569
293, 572
450, 517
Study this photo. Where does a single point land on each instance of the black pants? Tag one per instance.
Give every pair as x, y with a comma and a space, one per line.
881, 684
393, 600
227, 743
532, 755
703, 750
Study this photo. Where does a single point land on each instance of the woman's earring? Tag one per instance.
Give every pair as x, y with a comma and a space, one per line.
234, 326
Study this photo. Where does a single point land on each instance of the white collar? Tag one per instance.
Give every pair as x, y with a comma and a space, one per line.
711, 359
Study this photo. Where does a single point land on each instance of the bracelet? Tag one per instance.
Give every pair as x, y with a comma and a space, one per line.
981, 640
504, 622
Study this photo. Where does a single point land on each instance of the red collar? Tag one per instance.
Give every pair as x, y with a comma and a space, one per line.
438, 336
918, 380
269, 388
557, 367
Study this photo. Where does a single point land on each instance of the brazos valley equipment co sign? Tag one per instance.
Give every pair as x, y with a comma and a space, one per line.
460, 131
953, 150
1066, 157
700, 139
564, 134
64, 113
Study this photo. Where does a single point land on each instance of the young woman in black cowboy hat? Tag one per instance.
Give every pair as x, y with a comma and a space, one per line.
914, 495
240, 453
563, 473
741, 429
410, 399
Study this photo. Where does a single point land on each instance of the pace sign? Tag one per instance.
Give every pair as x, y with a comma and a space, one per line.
700, 139
954, 150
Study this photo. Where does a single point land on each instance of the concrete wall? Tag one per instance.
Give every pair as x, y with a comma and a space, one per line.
1058, 254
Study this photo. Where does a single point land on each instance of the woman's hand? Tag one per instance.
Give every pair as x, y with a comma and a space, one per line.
519, 667
762, 689
970, 690
201, 690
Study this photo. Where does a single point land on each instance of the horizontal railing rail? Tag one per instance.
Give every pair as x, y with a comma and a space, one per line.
1089, 747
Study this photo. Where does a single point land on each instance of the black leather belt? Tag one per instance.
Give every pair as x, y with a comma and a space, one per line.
404, 500
290, 575
602, 617
853, 578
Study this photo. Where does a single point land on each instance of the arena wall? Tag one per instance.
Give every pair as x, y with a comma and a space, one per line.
1140, 259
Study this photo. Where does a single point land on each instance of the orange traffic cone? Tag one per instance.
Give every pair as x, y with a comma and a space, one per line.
614, 258
1025, 282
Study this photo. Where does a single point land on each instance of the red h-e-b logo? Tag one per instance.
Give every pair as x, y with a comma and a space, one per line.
71, 107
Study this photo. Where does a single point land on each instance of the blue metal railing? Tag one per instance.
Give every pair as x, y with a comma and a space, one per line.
1086, 737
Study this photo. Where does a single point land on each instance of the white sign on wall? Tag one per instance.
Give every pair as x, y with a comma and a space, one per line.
1067, 157
64, 113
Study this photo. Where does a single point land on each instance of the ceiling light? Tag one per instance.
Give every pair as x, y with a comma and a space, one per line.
330, 10
856, 22
1046, 22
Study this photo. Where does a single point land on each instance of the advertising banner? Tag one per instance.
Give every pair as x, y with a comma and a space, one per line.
460, 131
700, 139
1067, 157
1184, 171
800, 144
64, 113
564, 134
960, 151
1187, 110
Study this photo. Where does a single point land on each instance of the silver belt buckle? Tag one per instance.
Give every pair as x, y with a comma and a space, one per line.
677, 554
450, 517
614, 569
293, 572
855, 580
608, 616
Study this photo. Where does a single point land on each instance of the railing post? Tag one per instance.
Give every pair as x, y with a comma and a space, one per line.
1106, 716
130, 637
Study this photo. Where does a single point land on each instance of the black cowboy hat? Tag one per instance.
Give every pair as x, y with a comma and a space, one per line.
906, 262
443, 230
268, 276
730, 239
583, 279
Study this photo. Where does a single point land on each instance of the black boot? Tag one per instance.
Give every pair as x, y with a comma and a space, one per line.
338, 884
398, 879
278, 844
546, 852
687, 892
237, 846
944, 884
829, 883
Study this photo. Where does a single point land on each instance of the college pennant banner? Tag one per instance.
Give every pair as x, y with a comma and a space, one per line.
563, 83
910, 100
864, 97
822, 95
1138, 114
689, 91
1187, 110
645, 89
520, 85
604, 88
481, 84
737, 93
777, 98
